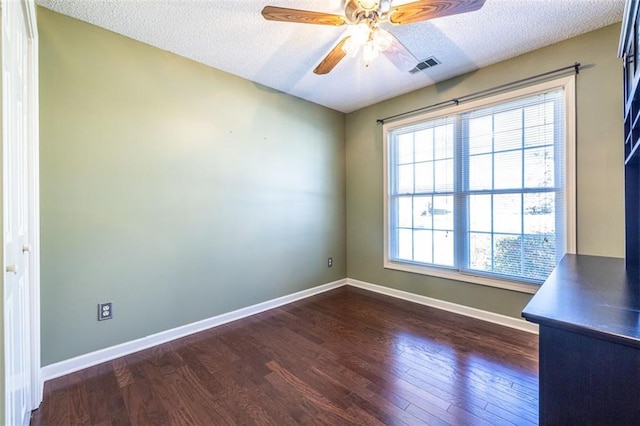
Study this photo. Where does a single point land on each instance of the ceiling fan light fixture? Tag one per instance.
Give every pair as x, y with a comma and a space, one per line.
351, 48
358, 36
381, 39
369, 52
360, 33
373, 40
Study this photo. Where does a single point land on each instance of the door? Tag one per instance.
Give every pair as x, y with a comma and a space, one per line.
15, 139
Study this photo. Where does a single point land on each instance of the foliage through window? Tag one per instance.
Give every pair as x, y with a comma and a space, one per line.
480, 190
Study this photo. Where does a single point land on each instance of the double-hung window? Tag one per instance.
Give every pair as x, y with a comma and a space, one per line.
484, 191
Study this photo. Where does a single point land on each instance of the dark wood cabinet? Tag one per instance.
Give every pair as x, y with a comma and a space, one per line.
589, 316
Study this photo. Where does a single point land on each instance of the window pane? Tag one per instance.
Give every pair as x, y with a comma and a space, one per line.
404, 212
539, 114
480, 251
405, 179
511, 139
442, 213
424, 177
481, 172
507, 120
507, 213
538, 135
539, 213
508, 170
443, 175
539, 255
480, 213
480, 135
423, 246
405, 148
539, 168
443, 141
507, 254
421, 216
443, 248
405, 244
424, 145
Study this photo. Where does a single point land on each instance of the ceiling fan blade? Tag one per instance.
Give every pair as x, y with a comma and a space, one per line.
332, 59
400, 56
429, 9
273, 13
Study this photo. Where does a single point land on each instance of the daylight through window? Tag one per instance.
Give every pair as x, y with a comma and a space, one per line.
482, 190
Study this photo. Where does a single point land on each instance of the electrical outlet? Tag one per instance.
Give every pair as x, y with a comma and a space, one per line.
330, 262
105, 311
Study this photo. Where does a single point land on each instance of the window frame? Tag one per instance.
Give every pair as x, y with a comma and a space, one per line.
567, 84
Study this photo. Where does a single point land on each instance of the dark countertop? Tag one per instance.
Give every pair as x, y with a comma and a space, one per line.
591, 295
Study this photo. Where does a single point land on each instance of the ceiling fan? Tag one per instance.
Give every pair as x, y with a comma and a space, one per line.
364, 17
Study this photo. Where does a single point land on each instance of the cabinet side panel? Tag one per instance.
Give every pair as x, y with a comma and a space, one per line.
587, 381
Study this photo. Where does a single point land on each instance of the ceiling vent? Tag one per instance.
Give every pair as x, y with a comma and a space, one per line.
427, 63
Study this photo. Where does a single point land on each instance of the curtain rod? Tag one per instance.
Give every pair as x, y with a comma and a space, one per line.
456, 101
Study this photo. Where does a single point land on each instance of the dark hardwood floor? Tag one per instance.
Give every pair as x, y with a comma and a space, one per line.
344, 357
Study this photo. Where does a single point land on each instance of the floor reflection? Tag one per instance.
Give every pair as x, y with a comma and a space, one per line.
466, 385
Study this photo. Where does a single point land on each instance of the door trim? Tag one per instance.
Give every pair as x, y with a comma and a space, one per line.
33, 178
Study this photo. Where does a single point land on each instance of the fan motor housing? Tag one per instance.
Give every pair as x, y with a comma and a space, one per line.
355, 9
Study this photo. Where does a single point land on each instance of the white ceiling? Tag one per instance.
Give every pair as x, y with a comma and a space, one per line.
231, 35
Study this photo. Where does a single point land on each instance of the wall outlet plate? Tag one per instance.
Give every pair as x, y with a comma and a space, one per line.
105, 311
330, 262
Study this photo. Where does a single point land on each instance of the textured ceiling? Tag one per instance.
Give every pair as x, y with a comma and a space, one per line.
231, 35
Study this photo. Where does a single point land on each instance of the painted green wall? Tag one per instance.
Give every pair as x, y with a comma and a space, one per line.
177, 191
600, 208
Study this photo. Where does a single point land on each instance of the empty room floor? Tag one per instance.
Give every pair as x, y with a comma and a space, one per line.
347, 356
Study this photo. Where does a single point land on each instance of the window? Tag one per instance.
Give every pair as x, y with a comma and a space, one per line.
484, 192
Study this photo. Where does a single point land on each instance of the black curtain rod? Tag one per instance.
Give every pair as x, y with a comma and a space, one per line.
456, 101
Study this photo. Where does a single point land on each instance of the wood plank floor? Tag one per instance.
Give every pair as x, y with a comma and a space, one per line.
344, 357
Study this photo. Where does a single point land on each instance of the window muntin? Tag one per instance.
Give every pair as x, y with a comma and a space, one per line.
480, 191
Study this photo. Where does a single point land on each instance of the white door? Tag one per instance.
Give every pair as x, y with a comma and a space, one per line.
15, 128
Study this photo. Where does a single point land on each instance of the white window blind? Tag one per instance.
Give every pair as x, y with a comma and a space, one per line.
482, 191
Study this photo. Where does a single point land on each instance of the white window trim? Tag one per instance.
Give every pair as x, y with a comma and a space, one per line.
568, 85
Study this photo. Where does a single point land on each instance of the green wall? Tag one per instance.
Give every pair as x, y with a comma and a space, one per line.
600, 217
174, 190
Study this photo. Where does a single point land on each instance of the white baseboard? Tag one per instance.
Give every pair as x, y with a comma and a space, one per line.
448, 306
103, 355
107, 354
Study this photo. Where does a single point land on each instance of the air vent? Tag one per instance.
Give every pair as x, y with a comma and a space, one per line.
427, 63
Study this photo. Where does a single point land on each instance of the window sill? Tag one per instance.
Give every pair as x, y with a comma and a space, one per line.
458, 276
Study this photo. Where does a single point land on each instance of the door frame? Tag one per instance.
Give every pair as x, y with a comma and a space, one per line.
33, 200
